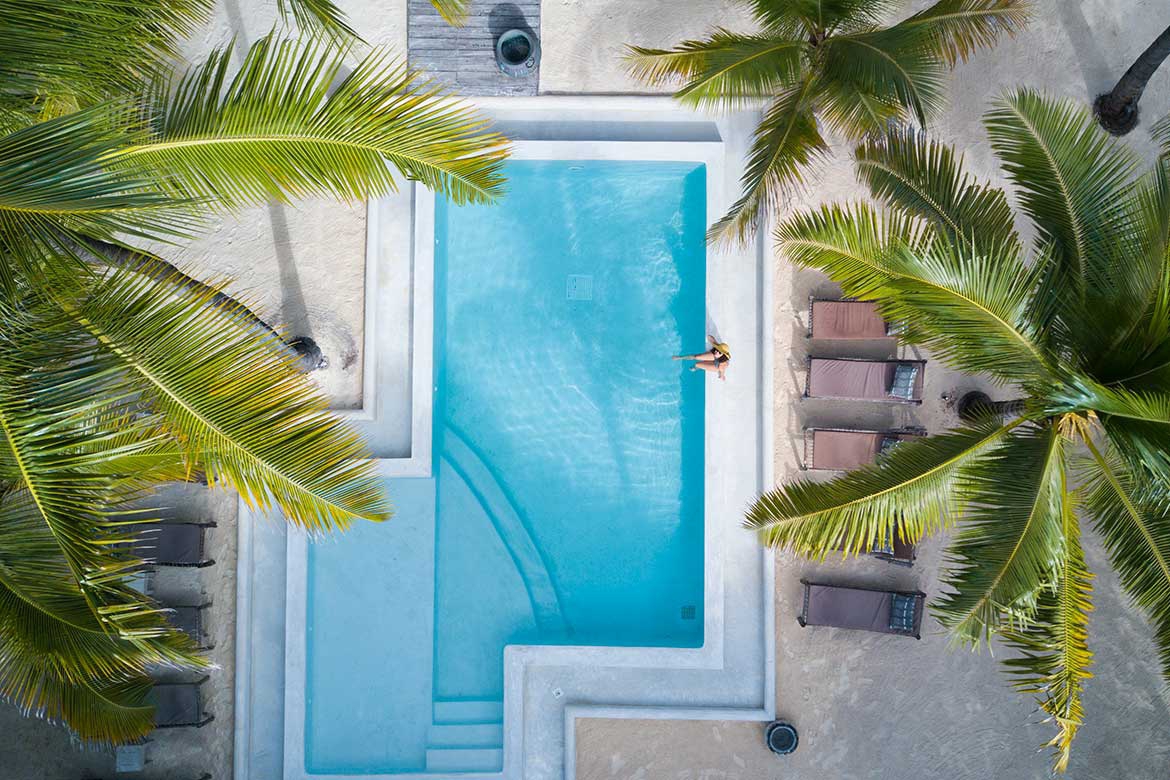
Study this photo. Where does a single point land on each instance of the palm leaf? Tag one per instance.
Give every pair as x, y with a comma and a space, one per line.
1009, 544
1161, 133
1072, 180
973, 307
454, 12
92, 49
852, 112
54, 182
726, 69
889, 64
906, 170
915, 490
1132, 515
1055, 656
278, 130
785, 143
232, 398
954, 29
318, 17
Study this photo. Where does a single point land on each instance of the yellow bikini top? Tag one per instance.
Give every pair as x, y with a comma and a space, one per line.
722, 349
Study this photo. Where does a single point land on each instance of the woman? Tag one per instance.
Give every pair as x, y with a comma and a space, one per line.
714, 359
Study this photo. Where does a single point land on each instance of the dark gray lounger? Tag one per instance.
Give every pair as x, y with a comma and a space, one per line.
864, 609
172, 544
179, 704
189, 620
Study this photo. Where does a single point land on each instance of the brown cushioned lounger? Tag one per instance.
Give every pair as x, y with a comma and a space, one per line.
864, 609
841, 449
845, 320
862, 380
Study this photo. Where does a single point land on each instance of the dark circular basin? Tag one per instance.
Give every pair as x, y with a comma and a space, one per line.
781, 737
517, 53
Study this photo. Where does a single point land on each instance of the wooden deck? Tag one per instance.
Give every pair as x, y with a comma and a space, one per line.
464, 57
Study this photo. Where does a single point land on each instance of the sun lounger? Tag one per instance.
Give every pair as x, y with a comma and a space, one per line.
189, 620
841, 449
173, 544
894, 381
179, 704
864, 609
846, 320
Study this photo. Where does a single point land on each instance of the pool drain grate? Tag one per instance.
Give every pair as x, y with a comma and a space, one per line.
579, 287
688, 612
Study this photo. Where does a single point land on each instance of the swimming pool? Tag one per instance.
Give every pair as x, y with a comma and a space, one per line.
565, 502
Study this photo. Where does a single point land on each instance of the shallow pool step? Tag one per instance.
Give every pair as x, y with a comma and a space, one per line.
465, 759
467, 711
466, 735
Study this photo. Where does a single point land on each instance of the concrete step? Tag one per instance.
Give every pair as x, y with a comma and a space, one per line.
465, 735
467, 711
465, 759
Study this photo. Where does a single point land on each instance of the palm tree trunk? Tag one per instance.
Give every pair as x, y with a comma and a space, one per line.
302, 349
1117, 110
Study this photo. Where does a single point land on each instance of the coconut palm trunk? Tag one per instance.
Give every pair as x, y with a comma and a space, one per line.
1117, 110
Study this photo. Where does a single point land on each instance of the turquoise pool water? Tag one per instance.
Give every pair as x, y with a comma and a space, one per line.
566, 502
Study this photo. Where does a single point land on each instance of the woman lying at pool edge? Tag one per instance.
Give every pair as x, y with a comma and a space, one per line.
715, 359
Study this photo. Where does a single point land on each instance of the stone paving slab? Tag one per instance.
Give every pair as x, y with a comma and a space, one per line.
464, 57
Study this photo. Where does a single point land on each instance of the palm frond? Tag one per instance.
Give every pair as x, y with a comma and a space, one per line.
92, 49
955, 29
725, 70
1072, 180
231, 397
915, 490
1054, 653
972, 306
278, 130
908, 171
854, 113
1161, 133
1132, 515
454, 12
317, 17
1009, 544
54, 181
785, 143
889, 64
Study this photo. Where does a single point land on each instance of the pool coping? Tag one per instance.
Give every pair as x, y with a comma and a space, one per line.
518, 659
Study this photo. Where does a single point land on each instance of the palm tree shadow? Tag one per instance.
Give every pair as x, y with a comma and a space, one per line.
1090, 57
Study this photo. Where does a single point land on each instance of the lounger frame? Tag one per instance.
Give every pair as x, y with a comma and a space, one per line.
888, 400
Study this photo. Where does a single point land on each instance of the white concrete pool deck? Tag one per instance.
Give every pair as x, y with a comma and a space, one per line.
546, 688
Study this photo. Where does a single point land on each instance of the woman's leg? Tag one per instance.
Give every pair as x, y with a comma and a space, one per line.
708, 355
705, 365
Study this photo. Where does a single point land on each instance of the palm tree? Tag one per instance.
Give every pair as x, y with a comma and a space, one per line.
1117, 109
822, 62
120, 371
1080, 329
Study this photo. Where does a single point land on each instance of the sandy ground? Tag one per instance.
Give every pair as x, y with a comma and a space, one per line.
866, 706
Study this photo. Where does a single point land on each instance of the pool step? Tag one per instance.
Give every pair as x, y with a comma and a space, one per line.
466, 735
465, 759
467, 711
